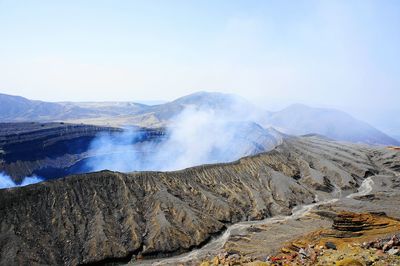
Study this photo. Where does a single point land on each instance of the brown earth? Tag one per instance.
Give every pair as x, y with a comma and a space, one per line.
354, 239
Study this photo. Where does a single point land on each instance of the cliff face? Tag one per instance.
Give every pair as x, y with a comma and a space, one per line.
49, 150
54, 150
108, 215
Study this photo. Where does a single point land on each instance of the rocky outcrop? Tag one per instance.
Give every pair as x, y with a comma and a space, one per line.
350, 222
107, 216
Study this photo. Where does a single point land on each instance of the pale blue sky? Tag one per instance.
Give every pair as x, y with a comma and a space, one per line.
336, 53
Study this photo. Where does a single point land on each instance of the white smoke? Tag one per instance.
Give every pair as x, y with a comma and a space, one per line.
6, 181
196, 136
114, 152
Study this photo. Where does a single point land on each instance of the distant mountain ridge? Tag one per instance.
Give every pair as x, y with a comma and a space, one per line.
296, 119
20, 109
224, 104
300, 119
16, 108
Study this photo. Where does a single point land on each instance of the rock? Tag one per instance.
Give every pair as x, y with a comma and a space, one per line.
349, 222
312, 254
275, 259
290, 257
205, 263
254, 229
286, 250
393, 241
393, 251
330, 245
234, 257
380, 253
349, 262
303, 254
215, 261
133, 259
258, 263
222, 255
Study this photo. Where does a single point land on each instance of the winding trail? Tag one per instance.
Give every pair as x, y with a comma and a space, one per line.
219, 242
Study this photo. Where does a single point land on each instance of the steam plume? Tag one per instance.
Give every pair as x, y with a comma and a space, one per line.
196, 136
7, 182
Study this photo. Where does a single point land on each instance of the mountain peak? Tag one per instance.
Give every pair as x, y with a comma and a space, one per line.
300, 119
206, 95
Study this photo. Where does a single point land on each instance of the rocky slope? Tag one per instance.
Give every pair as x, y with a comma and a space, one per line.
331, 233
109, 216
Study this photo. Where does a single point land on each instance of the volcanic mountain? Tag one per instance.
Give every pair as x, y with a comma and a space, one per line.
296, 119
300, 119
110, 216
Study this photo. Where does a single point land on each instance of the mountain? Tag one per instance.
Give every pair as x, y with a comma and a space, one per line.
218, 102
388, 121
19, 109
296, 119
109, 217
15, 108
107, 108
300, 119
225, 105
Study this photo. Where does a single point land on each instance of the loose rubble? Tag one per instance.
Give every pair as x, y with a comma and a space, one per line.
379, 252
348, 243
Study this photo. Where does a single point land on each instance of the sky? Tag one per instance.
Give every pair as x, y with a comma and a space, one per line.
342, 53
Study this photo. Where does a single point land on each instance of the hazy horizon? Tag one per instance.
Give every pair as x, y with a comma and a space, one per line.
337, 54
